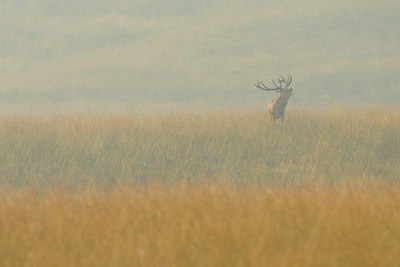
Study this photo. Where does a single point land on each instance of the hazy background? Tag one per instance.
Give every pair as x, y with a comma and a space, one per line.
113, 54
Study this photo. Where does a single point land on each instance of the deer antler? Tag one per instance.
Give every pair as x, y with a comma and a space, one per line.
286, 82
262, 86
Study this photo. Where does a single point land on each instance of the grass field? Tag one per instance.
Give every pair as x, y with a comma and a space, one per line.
206, 189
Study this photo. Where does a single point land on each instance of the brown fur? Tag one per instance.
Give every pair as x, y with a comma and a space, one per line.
276, 107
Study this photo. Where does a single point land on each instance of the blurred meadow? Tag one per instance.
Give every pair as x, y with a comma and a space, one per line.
186, 225
193, 189
313, 145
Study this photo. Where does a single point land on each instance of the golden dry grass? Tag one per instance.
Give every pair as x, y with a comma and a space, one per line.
206, 189
188, 225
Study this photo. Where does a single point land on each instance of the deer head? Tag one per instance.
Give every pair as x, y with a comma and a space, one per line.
282, 89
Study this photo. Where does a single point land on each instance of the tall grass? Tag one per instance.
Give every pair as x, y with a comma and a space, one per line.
186, 225
201, 189
312, 146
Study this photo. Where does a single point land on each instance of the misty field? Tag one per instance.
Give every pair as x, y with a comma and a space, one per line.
202, 189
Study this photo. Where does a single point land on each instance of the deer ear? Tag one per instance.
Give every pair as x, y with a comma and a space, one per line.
291, 90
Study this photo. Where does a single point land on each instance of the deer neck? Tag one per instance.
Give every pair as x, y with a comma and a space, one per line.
281, 101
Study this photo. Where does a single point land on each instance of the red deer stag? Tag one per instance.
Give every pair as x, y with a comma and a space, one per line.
276, 107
